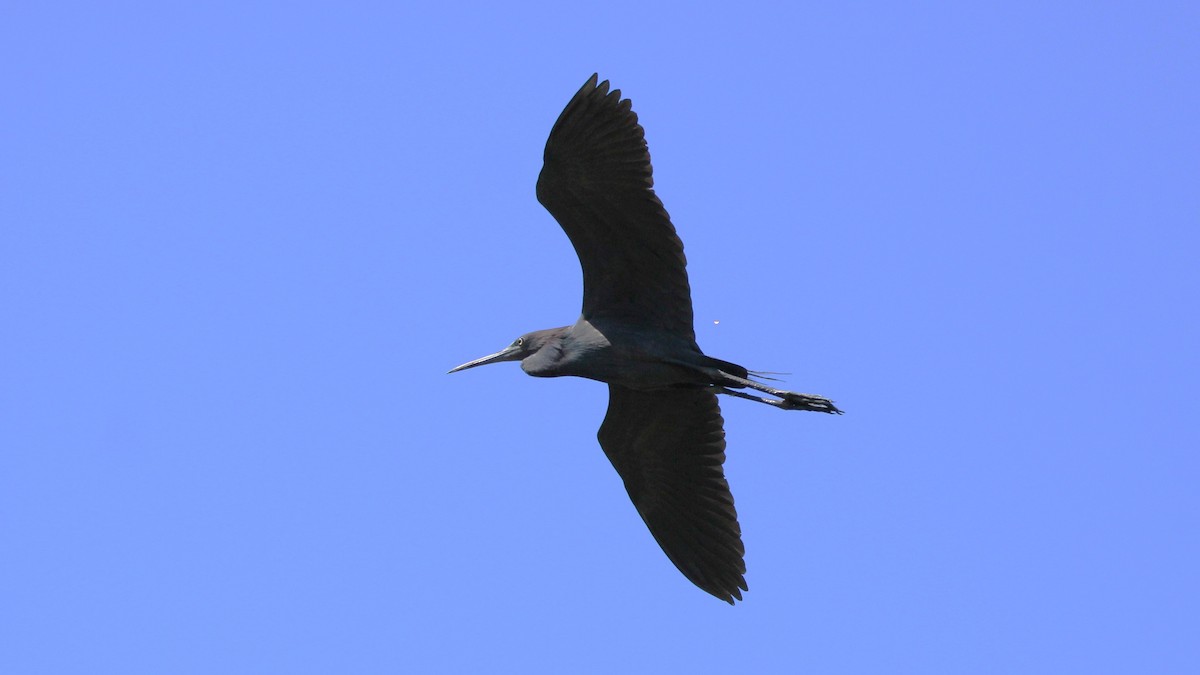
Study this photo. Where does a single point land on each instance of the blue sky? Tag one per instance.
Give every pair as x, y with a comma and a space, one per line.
240, 245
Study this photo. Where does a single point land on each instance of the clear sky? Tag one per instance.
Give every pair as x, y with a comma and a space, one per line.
241, 244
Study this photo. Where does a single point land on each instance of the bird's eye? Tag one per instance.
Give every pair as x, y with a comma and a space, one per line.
520, 342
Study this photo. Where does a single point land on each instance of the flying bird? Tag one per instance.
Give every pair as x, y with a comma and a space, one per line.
663, 432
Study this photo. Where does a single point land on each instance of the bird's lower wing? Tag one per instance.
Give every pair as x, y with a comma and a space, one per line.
669, 447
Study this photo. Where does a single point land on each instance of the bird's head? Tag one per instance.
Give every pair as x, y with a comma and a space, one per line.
523, 347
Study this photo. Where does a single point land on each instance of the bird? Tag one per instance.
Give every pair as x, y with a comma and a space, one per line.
663, 431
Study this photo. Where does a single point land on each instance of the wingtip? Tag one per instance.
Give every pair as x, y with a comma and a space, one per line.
593, 87
733, 595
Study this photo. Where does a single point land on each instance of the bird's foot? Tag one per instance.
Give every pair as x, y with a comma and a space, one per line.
794, 401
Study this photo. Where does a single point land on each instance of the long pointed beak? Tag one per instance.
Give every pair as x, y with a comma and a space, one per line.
510, 353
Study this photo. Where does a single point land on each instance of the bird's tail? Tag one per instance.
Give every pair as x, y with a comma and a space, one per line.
731, 368
764, 375
742, 372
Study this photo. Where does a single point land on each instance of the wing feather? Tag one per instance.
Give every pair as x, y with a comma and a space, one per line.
597, 182
669, 447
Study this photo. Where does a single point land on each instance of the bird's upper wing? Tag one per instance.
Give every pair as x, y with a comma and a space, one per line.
596, 180
668, 446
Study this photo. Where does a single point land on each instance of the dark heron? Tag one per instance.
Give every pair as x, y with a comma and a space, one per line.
663, 431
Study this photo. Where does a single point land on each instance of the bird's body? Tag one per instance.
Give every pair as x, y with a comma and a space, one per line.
620, 354
663, 431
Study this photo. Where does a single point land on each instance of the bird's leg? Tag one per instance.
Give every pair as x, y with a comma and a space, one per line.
749, 397
788, 400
